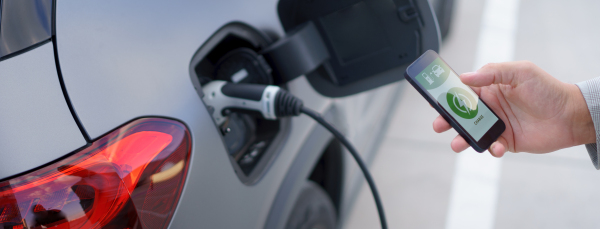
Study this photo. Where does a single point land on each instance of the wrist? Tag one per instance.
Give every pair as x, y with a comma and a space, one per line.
583, 131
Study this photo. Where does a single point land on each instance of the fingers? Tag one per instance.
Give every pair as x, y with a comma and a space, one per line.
498, 148
459, 144
477, 90
440, 125
497, 73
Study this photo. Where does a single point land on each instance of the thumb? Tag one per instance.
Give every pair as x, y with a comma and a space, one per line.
494, 73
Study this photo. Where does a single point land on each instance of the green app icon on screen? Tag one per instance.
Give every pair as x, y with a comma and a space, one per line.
462, 103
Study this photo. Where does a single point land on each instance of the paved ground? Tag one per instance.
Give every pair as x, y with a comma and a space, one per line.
415, 167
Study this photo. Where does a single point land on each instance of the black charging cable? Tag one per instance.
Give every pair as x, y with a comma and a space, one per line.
287, 104
273, 102
363, 167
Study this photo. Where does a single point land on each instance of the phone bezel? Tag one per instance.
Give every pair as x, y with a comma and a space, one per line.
487, 139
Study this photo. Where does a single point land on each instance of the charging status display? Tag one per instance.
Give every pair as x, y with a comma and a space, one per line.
457, 98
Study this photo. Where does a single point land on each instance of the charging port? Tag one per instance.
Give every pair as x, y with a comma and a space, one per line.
231, 54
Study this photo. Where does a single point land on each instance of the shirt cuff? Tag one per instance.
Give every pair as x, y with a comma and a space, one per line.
590, 90
593, 151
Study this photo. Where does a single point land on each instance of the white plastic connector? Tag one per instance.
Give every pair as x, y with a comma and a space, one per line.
215, 98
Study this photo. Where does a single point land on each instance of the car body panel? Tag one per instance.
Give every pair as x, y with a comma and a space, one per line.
141, 50
118, 67
122, 60
36, 125
310, 151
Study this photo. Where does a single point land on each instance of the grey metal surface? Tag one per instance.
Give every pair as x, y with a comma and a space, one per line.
122, 60
24, 23
36, 125
140, 51
297, 174
378, 130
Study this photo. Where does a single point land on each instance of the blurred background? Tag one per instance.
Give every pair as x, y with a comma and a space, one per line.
424, 184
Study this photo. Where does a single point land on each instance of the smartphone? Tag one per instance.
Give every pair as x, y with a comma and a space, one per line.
456, 102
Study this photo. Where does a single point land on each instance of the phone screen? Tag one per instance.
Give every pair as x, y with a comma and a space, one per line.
456, 98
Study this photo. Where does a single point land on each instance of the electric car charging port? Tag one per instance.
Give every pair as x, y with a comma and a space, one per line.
231, 54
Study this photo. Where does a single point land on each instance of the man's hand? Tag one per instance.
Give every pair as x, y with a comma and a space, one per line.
541, 113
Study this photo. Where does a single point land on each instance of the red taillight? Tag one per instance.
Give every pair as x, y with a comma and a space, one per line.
131, 178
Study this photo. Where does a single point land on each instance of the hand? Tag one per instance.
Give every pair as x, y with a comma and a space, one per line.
541, 113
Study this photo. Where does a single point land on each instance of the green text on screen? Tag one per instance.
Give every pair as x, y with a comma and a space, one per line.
457, 98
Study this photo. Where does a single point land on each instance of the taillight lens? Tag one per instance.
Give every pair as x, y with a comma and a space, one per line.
131, 178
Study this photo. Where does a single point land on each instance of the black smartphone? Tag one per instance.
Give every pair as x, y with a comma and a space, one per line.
456, 102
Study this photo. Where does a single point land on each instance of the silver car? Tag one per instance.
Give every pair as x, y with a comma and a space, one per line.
103, 124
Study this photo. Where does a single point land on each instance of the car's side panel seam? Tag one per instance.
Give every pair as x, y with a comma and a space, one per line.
62, 82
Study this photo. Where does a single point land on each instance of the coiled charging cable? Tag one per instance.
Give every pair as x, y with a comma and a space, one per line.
273, 103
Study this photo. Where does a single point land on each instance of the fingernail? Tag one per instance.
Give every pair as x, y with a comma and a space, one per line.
467, 74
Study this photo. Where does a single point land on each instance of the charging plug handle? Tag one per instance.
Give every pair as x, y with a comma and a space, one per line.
270, 102
273, 102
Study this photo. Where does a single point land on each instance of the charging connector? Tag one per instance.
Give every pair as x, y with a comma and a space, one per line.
270, 101
273, 102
